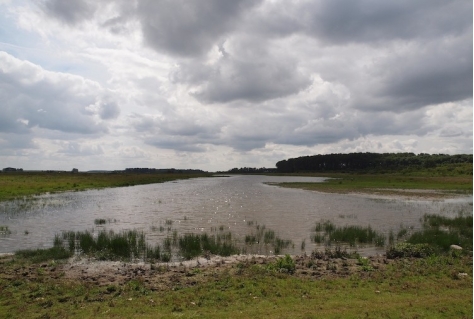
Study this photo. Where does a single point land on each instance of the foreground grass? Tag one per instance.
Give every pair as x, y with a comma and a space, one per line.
434, 287
388, 184
15, 185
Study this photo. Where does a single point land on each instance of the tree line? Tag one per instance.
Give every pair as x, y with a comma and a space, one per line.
368, 162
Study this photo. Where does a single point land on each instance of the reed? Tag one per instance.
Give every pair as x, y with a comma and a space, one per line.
100, 221
125, 245
192, 245
327, 232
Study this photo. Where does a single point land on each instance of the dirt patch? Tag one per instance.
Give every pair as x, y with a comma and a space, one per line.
164, 276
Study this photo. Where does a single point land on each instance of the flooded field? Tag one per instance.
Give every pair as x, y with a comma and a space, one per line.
237, 204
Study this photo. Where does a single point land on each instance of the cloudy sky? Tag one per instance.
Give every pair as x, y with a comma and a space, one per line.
216, 84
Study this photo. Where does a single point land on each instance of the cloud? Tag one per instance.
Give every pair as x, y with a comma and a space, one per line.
341, 22
188, 28
70, 12
231, 83
33, 97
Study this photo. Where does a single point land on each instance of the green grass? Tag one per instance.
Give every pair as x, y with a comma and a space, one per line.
20, 184
421, 288
326, 232
386, 183
442, 232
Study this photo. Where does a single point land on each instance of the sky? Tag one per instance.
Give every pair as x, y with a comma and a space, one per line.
218, 84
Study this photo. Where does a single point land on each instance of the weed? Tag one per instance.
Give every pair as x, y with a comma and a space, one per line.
284, 264
365, 264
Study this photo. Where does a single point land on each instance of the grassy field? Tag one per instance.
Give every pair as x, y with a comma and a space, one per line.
388, 184
435, 287
18, 184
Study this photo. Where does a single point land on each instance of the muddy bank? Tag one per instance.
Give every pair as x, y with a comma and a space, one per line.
163, 276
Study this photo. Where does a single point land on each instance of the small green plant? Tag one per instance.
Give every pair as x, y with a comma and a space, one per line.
284, 265
364, 263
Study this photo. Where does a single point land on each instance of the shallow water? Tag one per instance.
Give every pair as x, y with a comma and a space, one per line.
204, 204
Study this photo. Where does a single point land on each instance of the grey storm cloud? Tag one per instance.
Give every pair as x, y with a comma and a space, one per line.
70, 11
345, 21
234, 79
189, 28
286, 72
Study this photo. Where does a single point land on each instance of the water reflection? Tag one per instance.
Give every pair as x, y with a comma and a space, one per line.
203, 204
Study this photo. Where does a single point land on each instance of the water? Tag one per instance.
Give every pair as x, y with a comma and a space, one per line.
204, 204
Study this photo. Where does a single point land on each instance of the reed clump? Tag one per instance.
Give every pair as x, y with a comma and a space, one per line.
108, 245
328, 233
192, 245
441, 232
268, 238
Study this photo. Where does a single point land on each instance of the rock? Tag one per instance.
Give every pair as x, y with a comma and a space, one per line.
455, 247
462, 275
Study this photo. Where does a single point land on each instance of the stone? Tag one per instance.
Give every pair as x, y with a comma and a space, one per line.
455, 247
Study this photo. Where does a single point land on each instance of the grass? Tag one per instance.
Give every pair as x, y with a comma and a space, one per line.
434, 285
420, 288
442, 232
20, 184
327, 232
389, 184
263, 238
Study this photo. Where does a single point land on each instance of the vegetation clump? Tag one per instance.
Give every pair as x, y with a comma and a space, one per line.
403, 250
284, 264
441, 232
327, 232
191, 245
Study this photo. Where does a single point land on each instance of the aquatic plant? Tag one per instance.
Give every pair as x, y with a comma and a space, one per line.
100, 221
109, 245
4, 230
441, 232
192, 245
327, 232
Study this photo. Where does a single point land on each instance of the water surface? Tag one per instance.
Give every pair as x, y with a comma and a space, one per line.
204, 204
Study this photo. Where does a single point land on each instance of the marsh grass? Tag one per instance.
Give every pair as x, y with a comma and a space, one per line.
442, 232
264, 238
192, 245
326, 232
100, 221
5, 231
108, 245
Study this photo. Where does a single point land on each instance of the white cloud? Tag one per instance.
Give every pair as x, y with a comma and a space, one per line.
234, 83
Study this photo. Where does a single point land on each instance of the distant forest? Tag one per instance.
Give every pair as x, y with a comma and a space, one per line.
369, 162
